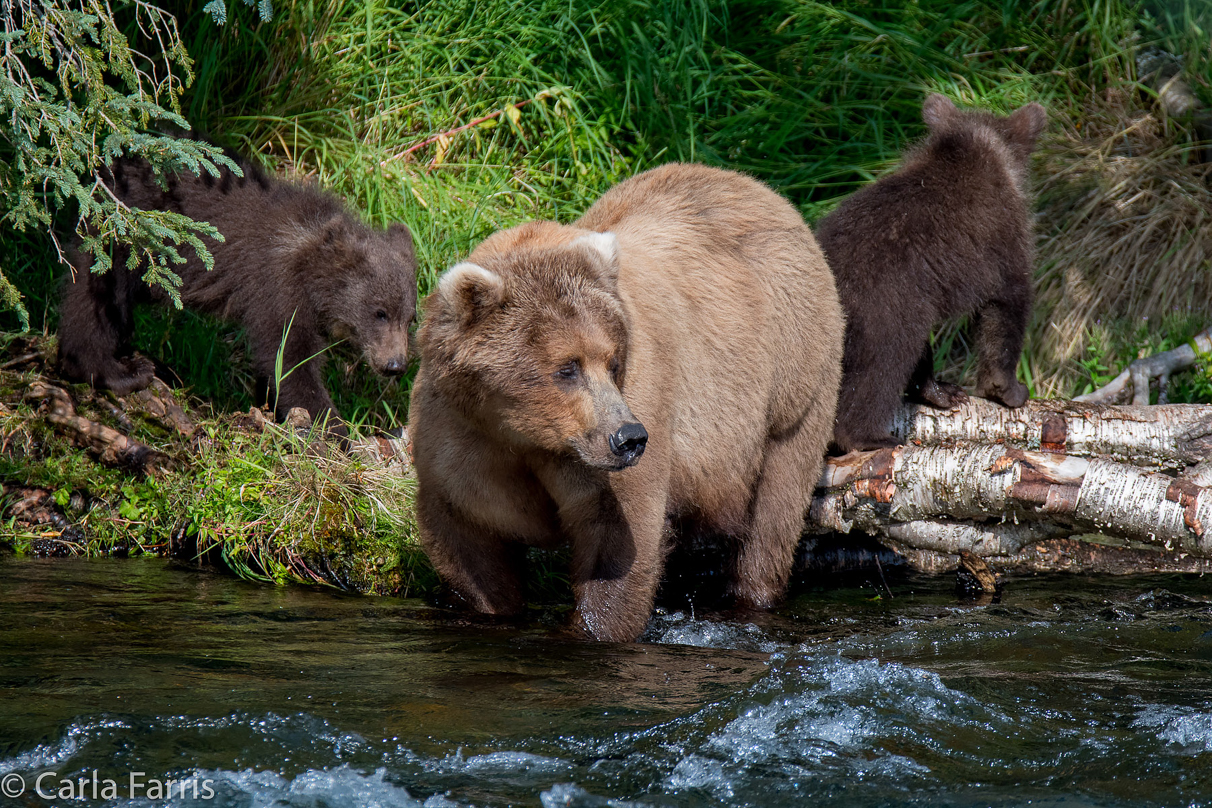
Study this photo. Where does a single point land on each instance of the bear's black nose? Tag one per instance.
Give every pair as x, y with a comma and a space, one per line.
395, 367
629, 442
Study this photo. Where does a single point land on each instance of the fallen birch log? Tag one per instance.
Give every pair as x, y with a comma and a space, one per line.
994, 500
1169, 436
1063, 555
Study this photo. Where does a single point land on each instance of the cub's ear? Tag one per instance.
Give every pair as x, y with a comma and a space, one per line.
399, 239
468, 291
335, 234
606, 247
398, 231
332, 245
938, 110
1027, 123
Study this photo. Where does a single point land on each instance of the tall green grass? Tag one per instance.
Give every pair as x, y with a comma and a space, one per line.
815, 98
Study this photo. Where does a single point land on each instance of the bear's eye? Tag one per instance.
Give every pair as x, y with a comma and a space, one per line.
380, 314
569, 371
614, 366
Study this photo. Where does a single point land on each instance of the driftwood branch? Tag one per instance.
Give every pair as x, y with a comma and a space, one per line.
1135, 380
1063, 555
983, 482
111, 446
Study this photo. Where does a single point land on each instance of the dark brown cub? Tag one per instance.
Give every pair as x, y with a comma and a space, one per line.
947, 234
292, 256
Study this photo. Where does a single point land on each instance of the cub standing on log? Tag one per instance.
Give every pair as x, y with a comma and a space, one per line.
673, 356
947, 234
292, 255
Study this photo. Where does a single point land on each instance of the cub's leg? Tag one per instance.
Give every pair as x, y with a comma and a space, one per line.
302, 362
95, 324
617, 559
791, 468
878, 363
925, 389
1000, 328
484, 571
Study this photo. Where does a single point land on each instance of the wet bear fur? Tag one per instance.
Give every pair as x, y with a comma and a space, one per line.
947, 234
290, 251
690, 300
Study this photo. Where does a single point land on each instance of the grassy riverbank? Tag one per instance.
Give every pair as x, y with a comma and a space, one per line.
368, 99
269, 502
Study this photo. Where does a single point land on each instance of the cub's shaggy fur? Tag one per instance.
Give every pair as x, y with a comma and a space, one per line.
947, 234
290, 251
689, 300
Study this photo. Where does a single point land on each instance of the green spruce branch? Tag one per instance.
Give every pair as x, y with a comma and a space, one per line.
76, 94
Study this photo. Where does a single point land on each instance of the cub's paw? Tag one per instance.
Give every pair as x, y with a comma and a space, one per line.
866, 444
130, 374
940, 395
1013, 395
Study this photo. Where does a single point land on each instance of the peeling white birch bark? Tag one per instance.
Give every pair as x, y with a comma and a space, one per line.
1169, 436
994, 500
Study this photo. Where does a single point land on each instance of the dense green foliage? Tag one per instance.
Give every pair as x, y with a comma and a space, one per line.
75, 94
816, 98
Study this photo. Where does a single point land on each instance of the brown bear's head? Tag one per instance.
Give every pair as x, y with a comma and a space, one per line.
528, 340
363, 283
1016, 133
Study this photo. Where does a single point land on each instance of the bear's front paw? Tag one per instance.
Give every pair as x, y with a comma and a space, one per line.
136, 373
940, 395
1013, 395
861, 444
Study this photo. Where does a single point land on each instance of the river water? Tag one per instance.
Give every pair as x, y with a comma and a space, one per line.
1069, 692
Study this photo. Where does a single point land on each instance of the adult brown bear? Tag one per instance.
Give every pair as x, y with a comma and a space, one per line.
292, 256
673, 356
947, 234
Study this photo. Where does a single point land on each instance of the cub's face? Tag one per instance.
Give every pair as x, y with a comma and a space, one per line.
373, 301
532, 345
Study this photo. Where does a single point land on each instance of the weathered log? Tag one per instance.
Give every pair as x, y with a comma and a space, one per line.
111, 446
157, 401
1070, 555
1172, 436
1135, 379
994, 500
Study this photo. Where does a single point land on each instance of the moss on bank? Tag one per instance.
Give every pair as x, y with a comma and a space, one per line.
268, 501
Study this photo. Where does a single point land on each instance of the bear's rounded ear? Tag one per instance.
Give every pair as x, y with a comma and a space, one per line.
400, 232
469, 290
335, 233
606, 247
1027, 123
938, 110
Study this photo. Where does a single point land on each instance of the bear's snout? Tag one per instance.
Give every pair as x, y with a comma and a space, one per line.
628, 442
394, 367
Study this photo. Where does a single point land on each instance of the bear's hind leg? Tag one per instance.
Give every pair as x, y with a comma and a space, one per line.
95, 325
925, 389
1000, 328
790, 471
871, 391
